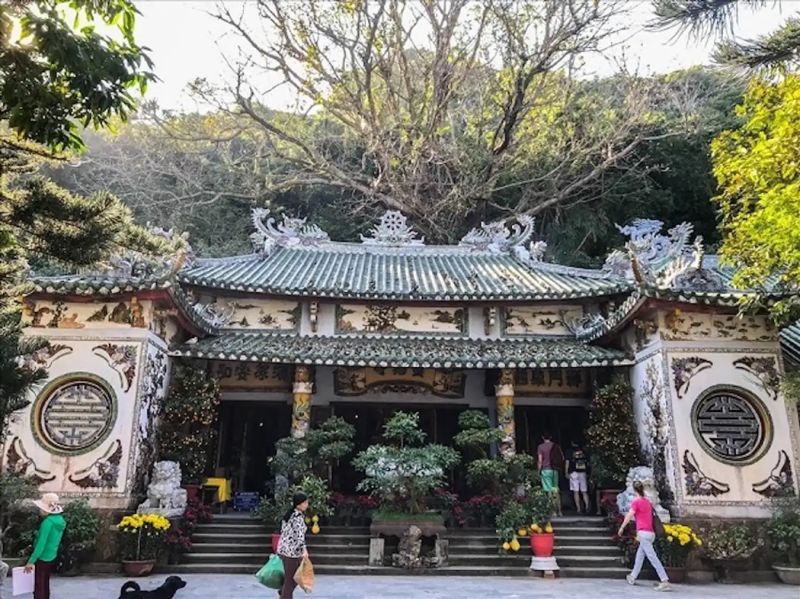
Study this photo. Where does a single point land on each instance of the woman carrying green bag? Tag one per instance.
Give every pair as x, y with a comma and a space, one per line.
292, 546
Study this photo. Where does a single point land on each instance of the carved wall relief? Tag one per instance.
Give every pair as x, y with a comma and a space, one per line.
521, 320
104, 471
764, 370
120, 357
680, 325
780, 482
684, 369
44, 357
698, 483
392, 318
18, 462
358, 381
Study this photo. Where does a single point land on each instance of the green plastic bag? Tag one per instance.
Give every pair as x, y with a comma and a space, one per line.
271, 574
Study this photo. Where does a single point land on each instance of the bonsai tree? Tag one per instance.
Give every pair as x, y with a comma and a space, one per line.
500, 475
331, 442
403, 472
187, 424
511, 522
80, 536
783, 534
612, 440
539, 510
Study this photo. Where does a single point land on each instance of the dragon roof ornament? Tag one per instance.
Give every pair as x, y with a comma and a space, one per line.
393, 230
670, 261
289, 232
497, 237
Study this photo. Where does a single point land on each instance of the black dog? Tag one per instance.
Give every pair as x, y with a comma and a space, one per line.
131, 590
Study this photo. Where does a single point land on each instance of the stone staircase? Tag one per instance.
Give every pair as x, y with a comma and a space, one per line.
236, 544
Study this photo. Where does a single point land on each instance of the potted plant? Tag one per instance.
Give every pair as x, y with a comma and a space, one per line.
511, 520
729, 547
402, 474
270, 513
612, 440
674, 549
80, 537
783, 535
539, 509
141, 541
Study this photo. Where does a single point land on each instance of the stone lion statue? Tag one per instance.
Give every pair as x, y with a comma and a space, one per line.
644, 475
164, 493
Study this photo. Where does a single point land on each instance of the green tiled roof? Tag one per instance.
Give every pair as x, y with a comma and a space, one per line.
404, 351
427, 273
790, 344
110, 284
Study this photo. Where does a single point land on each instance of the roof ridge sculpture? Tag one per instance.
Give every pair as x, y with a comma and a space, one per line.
393, 230
291, 231
498, 237
660, 261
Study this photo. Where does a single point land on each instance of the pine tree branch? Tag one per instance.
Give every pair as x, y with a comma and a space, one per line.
779, 47
700, 18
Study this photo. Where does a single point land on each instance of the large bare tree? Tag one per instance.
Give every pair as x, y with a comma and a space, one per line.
444, 109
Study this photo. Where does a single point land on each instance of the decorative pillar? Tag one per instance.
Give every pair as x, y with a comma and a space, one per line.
504, 392
301, 401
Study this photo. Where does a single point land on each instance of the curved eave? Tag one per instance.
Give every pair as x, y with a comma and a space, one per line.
402, 351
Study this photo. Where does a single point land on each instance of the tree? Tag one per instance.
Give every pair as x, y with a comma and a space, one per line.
440, 102
718, 18
757, 168
54, 78
611, 436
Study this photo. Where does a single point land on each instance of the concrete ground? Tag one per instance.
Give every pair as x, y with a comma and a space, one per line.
210, 586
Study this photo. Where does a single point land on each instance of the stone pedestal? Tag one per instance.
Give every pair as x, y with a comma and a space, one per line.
548, 566
376, 548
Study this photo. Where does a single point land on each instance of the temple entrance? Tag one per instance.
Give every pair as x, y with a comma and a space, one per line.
249, 431
440, 423
566, 424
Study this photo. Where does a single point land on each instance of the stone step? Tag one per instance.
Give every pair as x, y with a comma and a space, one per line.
255, 560
266, 549
352, 570
521, 559
265, 537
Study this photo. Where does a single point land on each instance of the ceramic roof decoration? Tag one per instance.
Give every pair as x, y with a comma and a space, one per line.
393, 230
790, 343
291, 231
402, 351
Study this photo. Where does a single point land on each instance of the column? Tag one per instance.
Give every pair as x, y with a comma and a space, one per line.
301, 401
504, 392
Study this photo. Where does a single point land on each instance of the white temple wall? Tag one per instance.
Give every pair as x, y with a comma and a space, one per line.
731, 440
89, 429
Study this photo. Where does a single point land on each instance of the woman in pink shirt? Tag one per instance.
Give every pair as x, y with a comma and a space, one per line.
642, 512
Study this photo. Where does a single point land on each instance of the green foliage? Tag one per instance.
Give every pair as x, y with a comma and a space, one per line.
731, 542
58, 73
332, 440
291, 460
187, 424
757, 168
611, 436
783, 533
790, 387
510, 519
80, 535
403, 476
16, 520
702, 18
539, 507
476, 432
271, 510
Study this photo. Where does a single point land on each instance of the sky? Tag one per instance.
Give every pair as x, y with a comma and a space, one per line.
186, 42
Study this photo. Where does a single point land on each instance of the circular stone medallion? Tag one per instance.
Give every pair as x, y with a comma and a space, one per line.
75, 415
731, 426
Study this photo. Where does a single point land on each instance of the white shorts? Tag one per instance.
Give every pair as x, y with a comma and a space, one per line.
578, 482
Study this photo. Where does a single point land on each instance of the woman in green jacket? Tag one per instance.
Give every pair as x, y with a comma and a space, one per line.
48, 539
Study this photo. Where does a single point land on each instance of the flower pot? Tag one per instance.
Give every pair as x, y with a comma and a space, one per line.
676, 574
542, 544
276, 538
192, 492
788, 574
724, 567
138, 568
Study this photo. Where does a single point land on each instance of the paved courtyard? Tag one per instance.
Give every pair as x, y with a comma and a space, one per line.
202, 586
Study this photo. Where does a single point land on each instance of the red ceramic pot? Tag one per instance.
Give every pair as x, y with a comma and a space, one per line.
542, 544
138, 568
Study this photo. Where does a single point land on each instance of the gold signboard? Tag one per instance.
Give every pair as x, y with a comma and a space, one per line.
253, 376
358, 381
